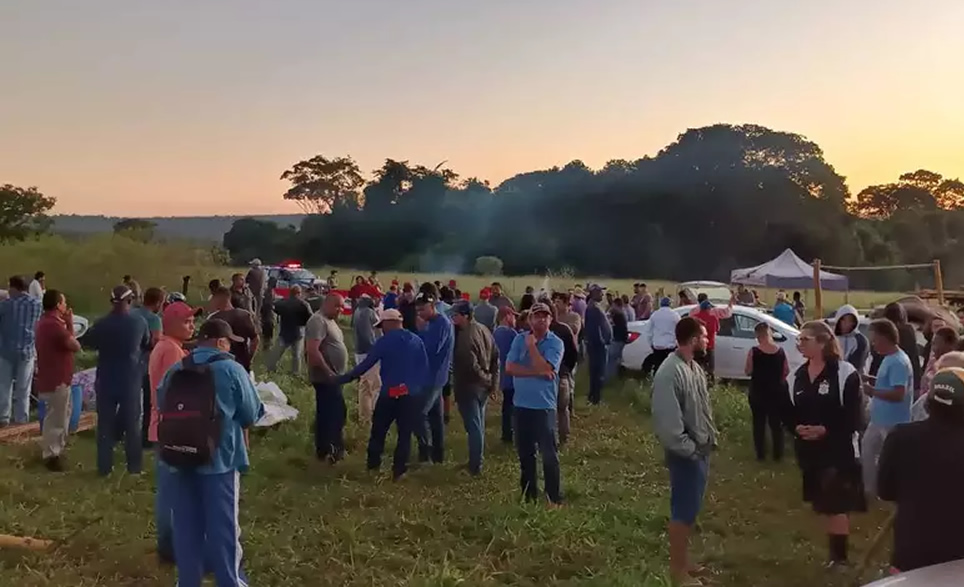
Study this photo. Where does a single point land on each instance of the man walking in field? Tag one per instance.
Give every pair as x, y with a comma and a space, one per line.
256, 279
294, 313
19, 315
683, 421
328, 359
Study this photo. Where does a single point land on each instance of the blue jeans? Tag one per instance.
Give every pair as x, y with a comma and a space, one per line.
430, 427
405, 412
687, 480
330, 415
472, 408
163, 510
119, 412
16, 379
206, 530
598, 357
614, 359
536, 430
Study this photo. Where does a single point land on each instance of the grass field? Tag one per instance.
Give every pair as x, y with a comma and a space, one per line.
307, 523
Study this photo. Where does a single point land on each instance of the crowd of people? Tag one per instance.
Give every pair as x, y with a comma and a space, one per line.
186, 392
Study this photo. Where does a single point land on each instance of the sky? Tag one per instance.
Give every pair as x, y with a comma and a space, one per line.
181, 107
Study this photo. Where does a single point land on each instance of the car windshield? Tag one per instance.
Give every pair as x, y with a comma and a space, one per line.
301, 275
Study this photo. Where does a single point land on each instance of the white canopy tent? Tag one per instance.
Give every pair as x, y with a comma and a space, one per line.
787, 271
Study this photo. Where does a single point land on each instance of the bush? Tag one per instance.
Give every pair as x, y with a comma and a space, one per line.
488, 266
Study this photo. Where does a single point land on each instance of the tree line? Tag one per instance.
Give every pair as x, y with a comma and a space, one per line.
717, 198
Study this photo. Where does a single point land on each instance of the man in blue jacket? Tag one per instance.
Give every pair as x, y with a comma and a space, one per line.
205, 499
403, 369
598, 334
438, 336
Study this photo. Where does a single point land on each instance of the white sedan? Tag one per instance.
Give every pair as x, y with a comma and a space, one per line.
734, 341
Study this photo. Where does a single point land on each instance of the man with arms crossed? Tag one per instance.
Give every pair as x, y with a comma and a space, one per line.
683, 421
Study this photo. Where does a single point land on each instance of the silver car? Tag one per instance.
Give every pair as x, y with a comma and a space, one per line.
946, 575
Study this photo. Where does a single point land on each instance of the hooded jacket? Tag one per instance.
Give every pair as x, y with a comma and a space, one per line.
854, 345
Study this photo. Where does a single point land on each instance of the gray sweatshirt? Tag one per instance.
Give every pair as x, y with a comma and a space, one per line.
682, 416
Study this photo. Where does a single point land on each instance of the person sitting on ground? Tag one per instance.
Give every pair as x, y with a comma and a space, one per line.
203, 484
767, 366
178, 328
56, 347
853, 344
403, 371
921, 470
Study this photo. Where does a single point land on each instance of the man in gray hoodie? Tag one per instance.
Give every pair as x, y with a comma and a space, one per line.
683, 421
853, 344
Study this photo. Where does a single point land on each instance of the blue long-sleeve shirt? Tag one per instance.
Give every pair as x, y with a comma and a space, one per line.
403, 361
239, 406
439, 339
120, 339
598, 331
504, 336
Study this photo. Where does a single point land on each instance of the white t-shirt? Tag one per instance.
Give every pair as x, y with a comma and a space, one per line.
36, 290
662, 328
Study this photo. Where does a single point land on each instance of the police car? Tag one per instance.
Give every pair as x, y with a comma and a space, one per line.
289, 274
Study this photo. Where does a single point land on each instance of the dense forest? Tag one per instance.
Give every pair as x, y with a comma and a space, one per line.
717, 198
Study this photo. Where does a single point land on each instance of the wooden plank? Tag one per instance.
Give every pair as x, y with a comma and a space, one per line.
24, 433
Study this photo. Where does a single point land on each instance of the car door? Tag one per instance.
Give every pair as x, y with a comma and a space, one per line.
734, 341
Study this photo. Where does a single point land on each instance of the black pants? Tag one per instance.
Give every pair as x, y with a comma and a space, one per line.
536, 430
598, 357
146, 420
267, 331
404, 412
655, 359
330, 414
507, 395
766, 411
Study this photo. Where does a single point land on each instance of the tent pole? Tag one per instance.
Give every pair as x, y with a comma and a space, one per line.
817, 292
939, 281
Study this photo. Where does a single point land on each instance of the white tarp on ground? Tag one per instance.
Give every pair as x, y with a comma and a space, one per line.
276, 408
788, 271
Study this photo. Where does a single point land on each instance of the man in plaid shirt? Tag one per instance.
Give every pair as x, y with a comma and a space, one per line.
18, 355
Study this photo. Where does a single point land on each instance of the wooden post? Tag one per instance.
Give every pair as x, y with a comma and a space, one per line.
817, 292
939, 281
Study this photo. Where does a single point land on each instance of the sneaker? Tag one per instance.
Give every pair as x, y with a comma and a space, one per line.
396, 477
54, 464
337, 456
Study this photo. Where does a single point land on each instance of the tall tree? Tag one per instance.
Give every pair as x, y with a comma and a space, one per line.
136, 229
320, 184
23, 212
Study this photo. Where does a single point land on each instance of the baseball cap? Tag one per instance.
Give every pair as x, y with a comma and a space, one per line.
596, 287
214, 329
256, 262
390, 315
121, 293
665, 302
947, 387
178, 311
462, 308
540, 308
506, 311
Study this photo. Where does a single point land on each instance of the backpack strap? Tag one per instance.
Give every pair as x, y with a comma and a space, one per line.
844, 371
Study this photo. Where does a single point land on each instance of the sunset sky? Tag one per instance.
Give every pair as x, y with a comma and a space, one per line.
181, 107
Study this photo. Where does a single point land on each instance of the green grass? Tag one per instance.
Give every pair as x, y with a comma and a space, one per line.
307, 523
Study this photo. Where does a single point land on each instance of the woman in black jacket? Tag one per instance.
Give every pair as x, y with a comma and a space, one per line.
824, 415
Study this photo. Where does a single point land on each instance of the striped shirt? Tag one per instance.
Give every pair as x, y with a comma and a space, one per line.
18, 322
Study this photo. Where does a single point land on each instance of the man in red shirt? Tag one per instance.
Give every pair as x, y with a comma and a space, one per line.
710, 317
56, 346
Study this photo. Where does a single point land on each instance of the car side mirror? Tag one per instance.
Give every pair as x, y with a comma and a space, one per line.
779, 337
